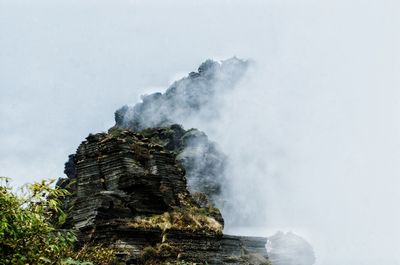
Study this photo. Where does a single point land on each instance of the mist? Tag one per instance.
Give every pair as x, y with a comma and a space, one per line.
312, 131
322, 166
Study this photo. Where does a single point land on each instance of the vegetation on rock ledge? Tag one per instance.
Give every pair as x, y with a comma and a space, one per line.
190, 217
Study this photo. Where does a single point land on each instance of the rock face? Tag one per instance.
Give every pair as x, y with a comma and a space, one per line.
194, 97
149, 188
129, 192
201, 158
192, 100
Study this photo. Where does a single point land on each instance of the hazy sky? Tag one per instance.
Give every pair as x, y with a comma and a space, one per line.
317, 121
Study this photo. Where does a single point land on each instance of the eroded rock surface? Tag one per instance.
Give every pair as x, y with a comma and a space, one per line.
191, 98
129, 192
190, 101
204, 163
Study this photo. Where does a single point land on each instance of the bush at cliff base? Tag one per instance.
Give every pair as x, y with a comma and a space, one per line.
30, 221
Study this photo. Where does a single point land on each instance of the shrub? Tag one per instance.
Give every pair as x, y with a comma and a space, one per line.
30, 233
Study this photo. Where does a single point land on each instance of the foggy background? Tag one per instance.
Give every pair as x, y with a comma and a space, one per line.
312, 132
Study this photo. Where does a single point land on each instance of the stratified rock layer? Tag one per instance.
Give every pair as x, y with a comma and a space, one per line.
204, 163
129, 192
192, 100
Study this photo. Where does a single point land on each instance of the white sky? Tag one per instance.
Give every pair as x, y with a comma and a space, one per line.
325, 98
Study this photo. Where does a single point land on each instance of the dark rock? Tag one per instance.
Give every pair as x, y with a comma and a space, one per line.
130, 186
204, 163
130, 193
193, 97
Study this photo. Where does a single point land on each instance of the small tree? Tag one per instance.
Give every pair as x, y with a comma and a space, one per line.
30, 233
29, 224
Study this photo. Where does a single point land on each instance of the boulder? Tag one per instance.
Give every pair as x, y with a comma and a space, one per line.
289, 249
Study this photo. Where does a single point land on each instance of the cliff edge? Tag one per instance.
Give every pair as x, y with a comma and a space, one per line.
129, 193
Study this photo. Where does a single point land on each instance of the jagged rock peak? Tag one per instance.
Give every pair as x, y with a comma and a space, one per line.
191, 101
127, 175
192, 97
129, 193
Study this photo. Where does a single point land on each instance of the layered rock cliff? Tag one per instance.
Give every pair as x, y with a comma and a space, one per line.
150, 188
129, 193
190, 102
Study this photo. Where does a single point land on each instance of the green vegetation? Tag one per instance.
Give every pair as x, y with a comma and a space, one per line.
190, 218
162, 254
30, 229
158, 254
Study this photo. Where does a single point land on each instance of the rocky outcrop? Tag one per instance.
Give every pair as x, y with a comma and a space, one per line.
194, 99
289, 249
203, 162
129, 192
149, 188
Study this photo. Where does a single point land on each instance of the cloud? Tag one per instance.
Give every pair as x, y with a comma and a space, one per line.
323, 154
